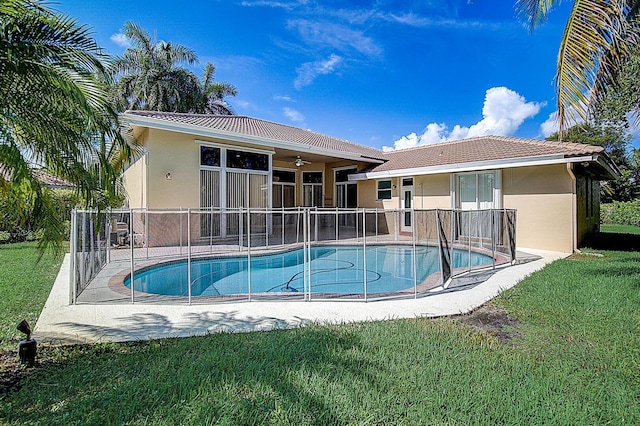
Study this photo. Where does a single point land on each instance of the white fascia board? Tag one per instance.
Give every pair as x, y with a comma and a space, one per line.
237, 137
474, 166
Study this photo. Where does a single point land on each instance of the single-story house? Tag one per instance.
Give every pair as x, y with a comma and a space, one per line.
211, 161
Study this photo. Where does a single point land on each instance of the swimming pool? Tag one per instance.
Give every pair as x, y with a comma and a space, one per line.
333, 270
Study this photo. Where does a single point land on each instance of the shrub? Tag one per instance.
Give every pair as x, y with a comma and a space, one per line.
621, 213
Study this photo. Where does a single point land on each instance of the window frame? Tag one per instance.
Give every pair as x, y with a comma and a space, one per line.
385, 190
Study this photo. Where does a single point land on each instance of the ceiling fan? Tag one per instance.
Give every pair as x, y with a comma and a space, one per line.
300, 162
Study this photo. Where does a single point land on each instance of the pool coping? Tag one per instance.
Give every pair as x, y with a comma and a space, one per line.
61, 323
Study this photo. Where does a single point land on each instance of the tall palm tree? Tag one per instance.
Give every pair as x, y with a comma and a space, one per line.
150, 74
598, 36
53, 103
211, 94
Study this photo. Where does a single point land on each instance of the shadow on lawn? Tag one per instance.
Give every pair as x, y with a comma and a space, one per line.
224, 378
616, 242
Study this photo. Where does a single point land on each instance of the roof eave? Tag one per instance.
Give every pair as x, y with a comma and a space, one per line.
609, 166
475, 166
140, 121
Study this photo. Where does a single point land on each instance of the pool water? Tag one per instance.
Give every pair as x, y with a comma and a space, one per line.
333, 269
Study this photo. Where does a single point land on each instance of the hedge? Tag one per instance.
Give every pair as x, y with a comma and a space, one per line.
621, 213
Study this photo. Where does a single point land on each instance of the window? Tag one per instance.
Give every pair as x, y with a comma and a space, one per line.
346, 191
475, 191
209, 156
284, 176
312, 189
232, 179
384, 190
247, 160
283, 189
343, 174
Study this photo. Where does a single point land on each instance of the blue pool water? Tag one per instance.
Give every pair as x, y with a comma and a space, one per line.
334, 269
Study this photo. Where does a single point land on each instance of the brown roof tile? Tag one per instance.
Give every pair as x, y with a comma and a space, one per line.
249, 126
483, 148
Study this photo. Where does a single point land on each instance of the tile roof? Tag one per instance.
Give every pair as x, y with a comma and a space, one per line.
248, 126
42, 176
478, 149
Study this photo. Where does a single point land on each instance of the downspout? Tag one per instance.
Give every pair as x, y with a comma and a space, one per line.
574, 205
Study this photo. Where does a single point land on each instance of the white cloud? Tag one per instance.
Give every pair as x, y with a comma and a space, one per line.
550, 125
308, 71
121, 40
503, 112
335, 36
283, 98
293, 115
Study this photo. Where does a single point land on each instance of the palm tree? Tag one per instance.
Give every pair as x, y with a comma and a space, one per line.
53, 104
150, 75
598, 37
211, 94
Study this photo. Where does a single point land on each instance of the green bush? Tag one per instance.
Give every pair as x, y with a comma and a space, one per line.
621, 213
16, 218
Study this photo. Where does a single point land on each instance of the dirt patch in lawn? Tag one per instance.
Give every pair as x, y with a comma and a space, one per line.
492, 320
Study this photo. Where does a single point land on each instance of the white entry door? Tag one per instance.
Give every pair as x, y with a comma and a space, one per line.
406, 203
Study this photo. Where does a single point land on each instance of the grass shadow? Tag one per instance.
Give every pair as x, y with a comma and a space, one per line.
615, 242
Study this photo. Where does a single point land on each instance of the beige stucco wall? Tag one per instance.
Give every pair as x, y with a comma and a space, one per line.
432, 191
134, 178
134, 181
543, 198
178, 154
542, 195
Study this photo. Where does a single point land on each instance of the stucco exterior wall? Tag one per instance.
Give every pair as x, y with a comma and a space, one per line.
543, 197
178, 154
135, 183
134, 178
432, 191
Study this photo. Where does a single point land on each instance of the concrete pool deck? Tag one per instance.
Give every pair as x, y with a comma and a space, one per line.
61, 323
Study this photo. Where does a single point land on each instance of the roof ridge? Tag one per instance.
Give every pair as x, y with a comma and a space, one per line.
531, 141
226, 116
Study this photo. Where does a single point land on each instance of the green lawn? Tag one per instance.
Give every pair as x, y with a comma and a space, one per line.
575, 359
25, 284
620, 229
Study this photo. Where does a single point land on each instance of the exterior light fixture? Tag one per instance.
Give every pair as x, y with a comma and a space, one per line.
26, 348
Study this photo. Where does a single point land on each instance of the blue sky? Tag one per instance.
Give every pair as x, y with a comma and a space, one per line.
382, 73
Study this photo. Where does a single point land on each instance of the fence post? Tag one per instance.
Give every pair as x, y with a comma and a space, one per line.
315, 218
493, 239
364, 251
73, 257
107, 218
396, 224
132, 258
240, 227
146, 231
189, 255
306, 224
180, 232
415, 265
249, 252
439, 246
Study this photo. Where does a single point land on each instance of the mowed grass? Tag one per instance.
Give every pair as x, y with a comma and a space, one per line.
620, 229
25, 284
575, 360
